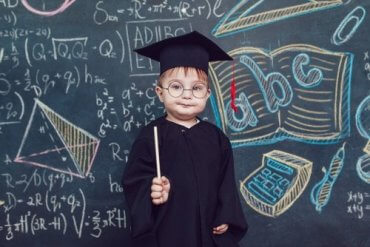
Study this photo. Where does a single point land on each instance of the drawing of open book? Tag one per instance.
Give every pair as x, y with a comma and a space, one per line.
300, 92
249, 14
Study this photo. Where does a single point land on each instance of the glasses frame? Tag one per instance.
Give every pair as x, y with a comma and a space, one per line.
183, 89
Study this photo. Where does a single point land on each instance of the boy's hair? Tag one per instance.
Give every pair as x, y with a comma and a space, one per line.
200, 73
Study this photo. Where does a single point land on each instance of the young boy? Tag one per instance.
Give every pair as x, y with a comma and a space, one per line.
195, 203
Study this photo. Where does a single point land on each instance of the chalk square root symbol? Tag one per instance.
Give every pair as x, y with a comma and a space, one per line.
69, 149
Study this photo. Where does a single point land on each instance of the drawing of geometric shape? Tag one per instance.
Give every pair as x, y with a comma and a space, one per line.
50, 141
320, 193
363, 168
363, 117
367, 148
273, 187
240, 17
53, 12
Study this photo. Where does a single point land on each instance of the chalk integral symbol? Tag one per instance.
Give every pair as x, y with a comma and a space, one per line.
50, 141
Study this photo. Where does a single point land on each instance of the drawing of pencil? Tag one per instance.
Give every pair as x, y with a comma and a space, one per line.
321, 192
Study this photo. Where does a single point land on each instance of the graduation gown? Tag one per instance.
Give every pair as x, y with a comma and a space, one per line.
198, 162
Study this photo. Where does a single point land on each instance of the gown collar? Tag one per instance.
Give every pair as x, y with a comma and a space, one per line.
164, 119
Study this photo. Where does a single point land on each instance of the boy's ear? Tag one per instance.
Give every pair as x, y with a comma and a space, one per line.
208, 93
159, 92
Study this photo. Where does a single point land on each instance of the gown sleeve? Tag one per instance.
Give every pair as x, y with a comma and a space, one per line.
229, 209
137, 180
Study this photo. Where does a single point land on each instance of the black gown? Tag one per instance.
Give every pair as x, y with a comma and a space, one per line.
198, 162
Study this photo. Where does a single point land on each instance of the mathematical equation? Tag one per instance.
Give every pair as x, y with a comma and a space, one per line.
142, 9
39, 62
94, 224
367, 65
358, 204
54, 207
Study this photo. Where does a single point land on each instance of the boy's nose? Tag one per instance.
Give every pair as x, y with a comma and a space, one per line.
187, 93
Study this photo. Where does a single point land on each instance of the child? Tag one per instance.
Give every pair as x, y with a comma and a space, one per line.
195, 203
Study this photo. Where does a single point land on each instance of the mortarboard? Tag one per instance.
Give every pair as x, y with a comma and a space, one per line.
188, 50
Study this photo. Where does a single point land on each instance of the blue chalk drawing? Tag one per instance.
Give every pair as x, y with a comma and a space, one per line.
243, 16
273, 187
363, 127
248, 118
307, 80
363, 168
216, 114
272, 182
266, 84
363, 117
278, 112
358, 15
321, 192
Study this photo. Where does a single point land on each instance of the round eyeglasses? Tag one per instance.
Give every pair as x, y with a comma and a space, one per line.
176, 89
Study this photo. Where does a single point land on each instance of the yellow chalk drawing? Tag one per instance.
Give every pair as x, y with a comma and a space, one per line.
243, 16
273, 187
300, 93
363, 164
65, 147
2, 203
81, 145
367, 148
321, 192
363, 168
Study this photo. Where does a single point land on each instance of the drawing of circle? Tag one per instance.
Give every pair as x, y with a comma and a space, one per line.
363, 168
41, 10
363, 118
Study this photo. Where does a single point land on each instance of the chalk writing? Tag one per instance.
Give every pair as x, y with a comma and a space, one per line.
53, 210
358, 204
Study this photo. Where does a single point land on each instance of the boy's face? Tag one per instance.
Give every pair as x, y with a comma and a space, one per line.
191, 102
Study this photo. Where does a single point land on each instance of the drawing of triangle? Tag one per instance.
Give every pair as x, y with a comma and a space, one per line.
80, 146
42, 147
248, 14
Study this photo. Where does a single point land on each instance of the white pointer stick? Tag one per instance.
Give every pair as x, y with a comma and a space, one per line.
157, 152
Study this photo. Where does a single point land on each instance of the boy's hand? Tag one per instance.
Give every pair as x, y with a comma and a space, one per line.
220, 229
160, 190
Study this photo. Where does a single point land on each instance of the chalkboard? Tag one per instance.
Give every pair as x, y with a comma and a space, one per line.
73, 97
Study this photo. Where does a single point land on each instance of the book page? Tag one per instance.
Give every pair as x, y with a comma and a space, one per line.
320, 84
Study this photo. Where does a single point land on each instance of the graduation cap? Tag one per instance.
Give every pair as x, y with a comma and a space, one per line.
188, 50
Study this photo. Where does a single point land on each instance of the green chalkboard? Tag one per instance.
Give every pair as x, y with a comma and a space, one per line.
73, 97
